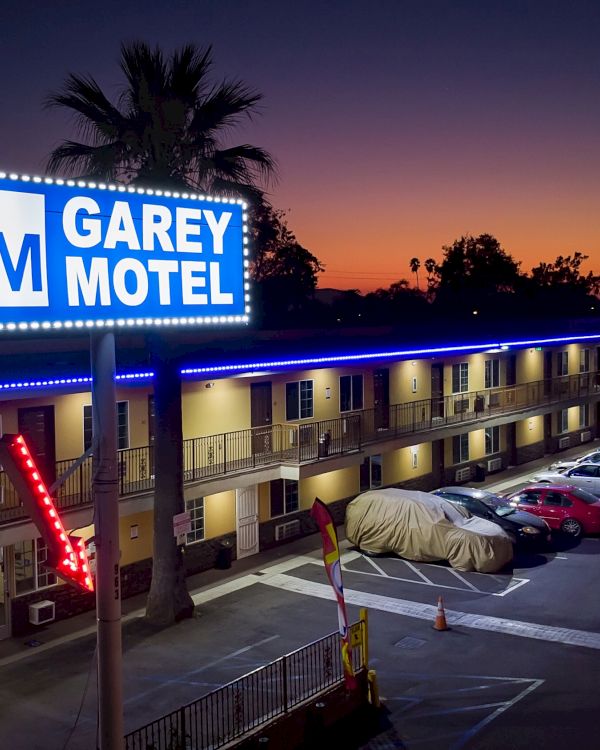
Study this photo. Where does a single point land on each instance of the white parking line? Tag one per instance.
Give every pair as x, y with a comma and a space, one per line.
464, 580
417, 571
518, 582
374, 564
425, 582
515, 582
462, 741
420, 611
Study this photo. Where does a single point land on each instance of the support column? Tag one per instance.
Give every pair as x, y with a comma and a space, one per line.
106, 506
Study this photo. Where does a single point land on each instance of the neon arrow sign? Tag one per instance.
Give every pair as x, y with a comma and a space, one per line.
66, 554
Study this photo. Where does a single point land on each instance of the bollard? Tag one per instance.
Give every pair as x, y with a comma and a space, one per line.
373, 688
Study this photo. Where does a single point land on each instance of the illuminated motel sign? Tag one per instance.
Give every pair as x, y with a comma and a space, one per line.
77, 255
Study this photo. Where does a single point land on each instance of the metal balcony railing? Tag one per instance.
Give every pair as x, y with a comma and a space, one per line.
227, 453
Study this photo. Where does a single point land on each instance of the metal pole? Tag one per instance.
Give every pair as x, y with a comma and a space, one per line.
106, 505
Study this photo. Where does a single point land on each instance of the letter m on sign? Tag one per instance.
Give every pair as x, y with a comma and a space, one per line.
23, 271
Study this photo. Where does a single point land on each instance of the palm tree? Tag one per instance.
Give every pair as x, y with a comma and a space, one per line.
415, 264
431, 268
167, 129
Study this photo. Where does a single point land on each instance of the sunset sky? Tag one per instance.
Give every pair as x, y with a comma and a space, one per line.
398, 126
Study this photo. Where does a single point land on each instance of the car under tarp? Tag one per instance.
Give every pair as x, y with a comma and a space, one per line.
426, 528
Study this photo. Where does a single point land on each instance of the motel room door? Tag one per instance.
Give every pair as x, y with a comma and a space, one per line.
261, 416
36, 424
437, 392
246, 503
381, 398
5, 576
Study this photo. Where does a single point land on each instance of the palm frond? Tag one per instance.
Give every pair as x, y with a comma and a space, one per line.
224, 107
256, 160
82, 160
189, 70
233, 189
95, 115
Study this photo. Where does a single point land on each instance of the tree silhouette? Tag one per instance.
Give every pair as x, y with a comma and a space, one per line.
285, 273
166, 129
415, 264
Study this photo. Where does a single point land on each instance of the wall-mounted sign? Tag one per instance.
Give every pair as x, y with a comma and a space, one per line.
75, 254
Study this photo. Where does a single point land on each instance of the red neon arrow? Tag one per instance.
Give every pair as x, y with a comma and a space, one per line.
67, 553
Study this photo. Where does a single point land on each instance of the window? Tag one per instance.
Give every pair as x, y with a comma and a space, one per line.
284, 497
562, 421
351, 392
492, 440
460, 377
529, 498
562, 363
122, 425
557, 500
584, 360
584, 415
492, 373
584, 471
299, 400
460, 448
195, 507
30, 572
371, 474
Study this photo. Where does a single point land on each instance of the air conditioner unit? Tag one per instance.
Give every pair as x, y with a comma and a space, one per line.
564, 442
494, 464
585, 436
462, 474
41, 612
287, 530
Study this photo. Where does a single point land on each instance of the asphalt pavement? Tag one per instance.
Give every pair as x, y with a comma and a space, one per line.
517, 669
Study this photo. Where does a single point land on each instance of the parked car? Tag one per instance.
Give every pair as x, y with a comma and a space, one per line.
522, 527
586, 476
421, 526
588, 458
569, 509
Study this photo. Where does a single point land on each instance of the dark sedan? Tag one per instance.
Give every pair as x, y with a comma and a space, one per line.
522, 527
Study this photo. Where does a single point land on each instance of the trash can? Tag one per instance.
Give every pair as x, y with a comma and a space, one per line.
324, 441
480, 472
224, 555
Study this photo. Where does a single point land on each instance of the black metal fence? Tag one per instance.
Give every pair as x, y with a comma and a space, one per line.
242, 450
253, 700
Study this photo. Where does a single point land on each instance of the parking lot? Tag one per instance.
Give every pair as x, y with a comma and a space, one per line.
517, 668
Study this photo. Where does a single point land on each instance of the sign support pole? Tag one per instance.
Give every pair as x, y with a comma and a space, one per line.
106, 508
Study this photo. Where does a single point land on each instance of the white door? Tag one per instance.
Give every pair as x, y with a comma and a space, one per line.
246, 501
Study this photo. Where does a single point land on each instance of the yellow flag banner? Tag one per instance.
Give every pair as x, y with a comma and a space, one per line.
333, 568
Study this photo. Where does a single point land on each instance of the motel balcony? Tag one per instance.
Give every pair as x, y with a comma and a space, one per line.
216, 463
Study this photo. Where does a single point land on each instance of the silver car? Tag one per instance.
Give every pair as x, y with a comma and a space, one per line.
588, 458
586, 476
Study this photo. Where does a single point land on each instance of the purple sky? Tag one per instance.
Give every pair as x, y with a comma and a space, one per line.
398, 126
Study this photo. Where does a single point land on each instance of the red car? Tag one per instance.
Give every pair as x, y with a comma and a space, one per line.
566, 508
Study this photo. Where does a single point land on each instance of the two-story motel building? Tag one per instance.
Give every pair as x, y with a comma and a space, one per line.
267, 429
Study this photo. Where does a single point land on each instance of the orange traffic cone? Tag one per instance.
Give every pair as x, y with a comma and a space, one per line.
440, 617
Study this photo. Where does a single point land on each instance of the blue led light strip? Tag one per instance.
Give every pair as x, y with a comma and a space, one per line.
400, 353
305, 361
54, 382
